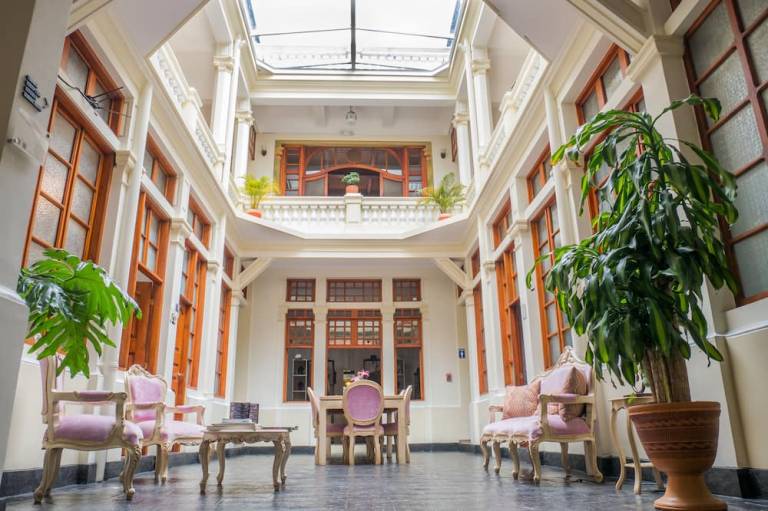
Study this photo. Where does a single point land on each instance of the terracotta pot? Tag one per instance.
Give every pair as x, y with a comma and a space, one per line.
681, 440
254, 212
352, 189
443, 216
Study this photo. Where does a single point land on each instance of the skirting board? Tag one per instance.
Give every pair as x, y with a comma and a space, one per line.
735, 482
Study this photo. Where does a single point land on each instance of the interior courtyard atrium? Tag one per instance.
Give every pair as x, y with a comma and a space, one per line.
401, 254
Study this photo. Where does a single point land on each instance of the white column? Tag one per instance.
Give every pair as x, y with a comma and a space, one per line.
472, 357
463, 145
231, 108
212, 311
244, 121
236, 302
480, 65
320, 351
388, 348
32, 42
224, 63
472, 110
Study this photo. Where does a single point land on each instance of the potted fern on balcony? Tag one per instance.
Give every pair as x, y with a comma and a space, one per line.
257, 188
635, 286
446, 196
351, 181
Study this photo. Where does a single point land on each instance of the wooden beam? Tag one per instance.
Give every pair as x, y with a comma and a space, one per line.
251, 273
452, 270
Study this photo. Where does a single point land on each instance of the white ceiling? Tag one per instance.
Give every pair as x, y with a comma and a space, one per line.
195, 45
506, 51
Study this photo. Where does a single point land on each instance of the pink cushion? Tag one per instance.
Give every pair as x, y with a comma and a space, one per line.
530, 427
93, 428
146, 390
568, 379
172, 430
349, 429
521, 401
363, 402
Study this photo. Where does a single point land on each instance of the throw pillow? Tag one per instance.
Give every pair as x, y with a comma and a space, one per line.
521, 401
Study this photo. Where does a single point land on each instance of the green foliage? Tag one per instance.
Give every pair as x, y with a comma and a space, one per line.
446, 196
256, 188
635, 286
351, 178
70, 304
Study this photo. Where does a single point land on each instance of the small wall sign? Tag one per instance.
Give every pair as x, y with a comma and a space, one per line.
30, 92
462, 353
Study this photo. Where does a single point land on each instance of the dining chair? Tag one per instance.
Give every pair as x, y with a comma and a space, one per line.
363, 404
331, 430
391, 428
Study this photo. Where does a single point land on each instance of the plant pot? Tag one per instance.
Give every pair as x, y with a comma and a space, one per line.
681, 440
352, 189
254, 212
443, 216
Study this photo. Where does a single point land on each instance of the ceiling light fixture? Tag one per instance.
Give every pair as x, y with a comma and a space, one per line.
351, 117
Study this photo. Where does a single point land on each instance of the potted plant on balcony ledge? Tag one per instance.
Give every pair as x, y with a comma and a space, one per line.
446, 196
351, 180
257, 188
635, 286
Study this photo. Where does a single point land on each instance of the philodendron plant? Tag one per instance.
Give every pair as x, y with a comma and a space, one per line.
635, 286
71, 303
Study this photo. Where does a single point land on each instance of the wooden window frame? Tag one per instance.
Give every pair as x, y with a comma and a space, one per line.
538, 245
512, 345
294, 315
95, 225
502, 223
400, 285
752, 100
595, 83
355, 316
411, 315
307, 283
222, 344
77, 42
482, 363
198, 268
161, 164
199, 217
252, 142
539, 173
330, 298
229, 262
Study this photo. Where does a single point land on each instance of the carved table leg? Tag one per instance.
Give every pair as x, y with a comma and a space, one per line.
220, 455
276, 463
515, 459
617, 445
286, 453
205, 447
497, 455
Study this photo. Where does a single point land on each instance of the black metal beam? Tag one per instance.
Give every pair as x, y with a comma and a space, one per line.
353, 34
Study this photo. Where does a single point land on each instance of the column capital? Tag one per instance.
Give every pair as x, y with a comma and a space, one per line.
244, 116
238, 298
224, 63
460, 119
213, 266
468, 298
480, 66
180, 231
320, 312
654, 47
192, 97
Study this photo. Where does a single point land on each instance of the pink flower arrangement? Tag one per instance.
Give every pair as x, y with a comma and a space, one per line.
361, 375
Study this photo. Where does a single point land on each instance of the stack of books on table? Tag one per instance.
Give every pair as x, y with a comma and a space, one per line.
234, 425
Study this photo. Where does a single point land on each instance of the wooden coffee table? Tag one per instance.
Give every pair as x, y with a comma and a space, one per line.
280, 437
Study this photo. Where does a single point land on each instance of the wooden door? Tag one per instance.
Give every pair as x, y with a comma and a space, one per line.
139, 347
180, 354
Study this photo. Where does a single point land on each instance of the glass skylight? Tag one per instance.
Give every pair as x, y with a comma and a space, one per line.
363, 36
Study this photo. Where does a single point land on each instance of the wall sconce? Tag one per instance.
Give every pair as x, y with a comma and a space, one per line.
263, 151
443, 153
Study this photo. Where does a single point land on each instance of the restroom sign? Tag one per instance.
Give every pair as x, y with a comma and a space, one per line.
462, 353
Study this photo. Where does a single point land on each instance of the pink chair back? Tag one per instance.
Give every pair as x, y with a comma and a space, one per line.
50, 381
144, 387
363, 403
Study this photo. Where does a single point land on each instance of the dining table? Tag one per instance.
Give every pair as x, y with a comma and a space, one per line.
333, 404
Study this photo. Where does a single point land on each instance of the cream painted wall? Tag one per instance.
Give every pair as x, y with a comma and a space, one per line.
441, 417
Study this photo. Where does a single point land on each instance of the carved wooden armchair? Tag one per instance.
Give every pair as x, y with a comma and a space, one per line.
546, 426
83, 432
146, 407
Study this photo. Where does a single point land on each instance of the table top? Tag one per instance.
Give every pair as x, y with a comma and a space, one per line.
266, 432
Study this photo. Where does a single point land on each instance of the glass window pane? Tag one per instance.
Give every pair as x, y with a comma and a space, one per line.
54, 178
612, 78
554, 348
161, 181
393, 188
541, 232
727, 84
148, 161
711, 39
299, 375
82, 199
75, 242
62, 137
77, 70
737, 142
88, 164
103, 100
750, 10
590, 107
749, 252
315, 187
151, 257
555, 220
34, 253
750, 199
46, 220
551, 318
758, 47
409, 370
154, 229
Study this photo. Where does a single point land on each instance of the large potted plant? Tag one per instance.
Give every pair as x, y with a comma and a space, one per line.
446, 196
257, 188
635, 286
71, 303
352, 182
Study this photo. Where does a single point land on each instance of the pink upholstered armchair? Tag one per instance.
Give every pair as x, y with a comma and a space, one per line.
83, 432
146, 407
363, 404
562, 416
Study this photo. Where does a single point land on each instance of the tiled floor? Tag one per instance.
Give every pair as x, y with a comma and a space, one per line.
443, 481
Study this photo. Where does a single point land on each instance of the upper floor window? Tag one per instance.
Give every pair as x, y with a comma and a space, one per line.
300, 290
354, 290
84, 72
727, 58
201, 227
229, 262
354, 327
395, 171
502, 223
299, 342
159, 170
603, 83
540, 174
406, 290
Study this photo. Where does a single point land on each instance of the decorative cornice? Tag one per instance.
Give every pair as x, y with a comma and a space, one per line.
125, 160
224, 63
655, 47
180, 230
193, 97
